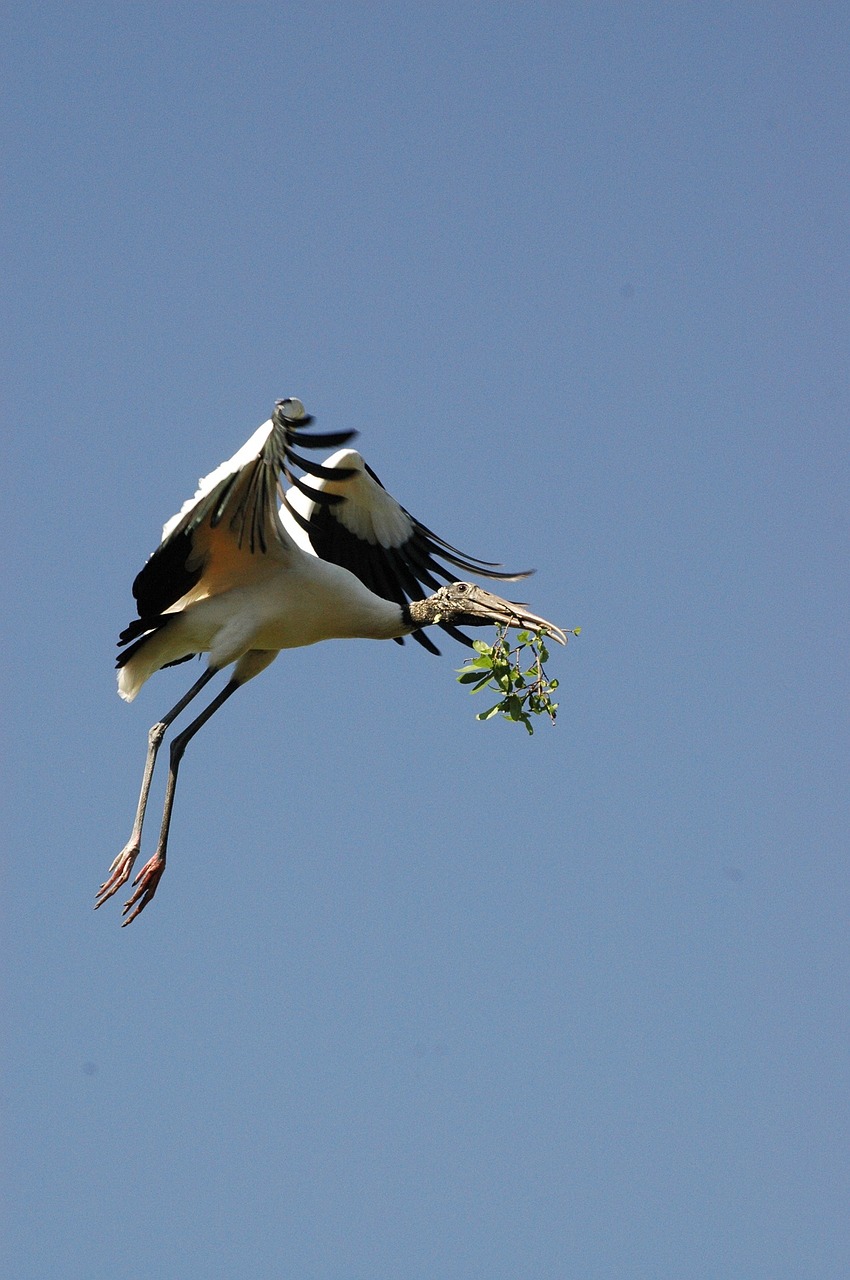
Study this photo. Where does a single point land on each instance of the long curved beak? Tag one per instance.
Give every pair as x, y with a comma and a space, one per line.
481, 608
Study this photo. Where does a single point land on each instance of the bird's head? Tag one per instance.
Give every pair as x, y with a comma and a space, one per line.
463, 604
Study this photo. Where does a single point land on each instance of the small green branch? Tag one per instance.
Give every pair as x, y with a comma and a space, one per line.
517, 674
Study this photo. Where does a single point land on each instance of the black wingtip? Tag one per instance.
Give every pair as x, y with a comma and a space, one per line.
293, 422
325, 440
320, 496
316, 468
427, 643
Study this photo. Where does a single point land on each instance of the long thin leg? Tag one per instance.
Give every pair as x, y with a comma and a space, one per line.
148, 879
120, 870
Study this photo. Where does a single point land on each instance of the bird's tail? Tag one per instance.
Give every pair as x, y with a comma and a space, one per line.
150, 653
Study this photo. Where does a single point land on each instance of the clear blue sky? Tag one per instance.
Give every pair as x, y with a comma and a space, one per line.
420, 998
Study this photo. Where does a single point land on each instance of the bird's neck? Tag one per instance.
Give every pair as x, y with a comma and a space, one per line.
348, 608
423, 613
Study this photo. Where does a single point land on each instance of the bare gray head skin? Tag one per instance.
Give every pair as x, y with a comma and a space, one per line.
463, 604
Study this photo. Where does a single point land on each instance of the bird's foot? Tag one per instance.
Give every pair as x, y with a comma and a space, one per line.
119, 873
146, 883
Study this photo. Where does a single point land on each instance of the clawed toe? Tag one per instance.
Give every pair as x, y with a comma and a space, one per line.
146, 883
119, 873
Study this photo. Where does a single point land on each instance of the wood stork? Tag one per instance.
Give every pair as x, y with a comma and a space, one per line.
240, 579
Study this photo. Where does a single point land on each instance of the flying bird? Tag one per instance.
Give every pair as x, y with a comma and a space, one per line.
239, 578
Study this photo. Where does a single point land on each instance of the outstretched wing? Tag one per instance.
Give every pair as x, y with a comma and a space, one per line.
367, 532
233, 513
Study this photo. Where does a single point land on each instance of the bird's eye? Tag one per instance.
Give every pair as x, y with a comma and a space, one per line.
462, 588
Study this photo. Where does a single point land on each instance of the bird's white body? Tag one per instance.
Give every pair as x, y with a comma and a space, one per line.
288, 600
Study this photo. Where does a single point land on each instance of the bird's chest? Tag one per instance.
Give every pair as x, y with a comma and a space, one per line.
324, 603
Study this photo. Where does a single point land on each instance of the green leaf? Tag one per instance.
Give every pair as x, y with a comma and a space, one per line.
488, 715
469, 677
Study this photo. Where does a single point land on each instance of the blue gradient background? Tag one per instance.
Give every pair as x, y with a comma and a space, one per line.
421, 997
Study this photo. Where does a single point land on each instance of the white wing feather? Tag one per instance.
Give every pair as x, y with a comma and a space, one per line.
250, 450
369, 512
